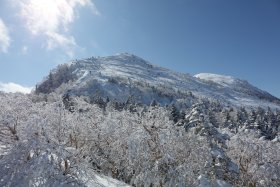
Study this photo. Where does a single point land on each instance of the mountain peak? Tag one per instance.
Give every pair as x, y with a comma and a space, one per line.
125, 54
122, 59
125, 75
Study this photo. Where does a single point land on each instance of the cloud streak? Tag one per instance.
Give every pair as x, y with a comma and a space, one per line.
52, 18
5, 39
14, 88
56, 40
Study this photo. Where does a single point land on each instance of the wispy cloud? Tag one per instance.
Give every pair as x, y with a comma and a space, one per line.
58, 40
24, 50
5, 39
13, 88
52, 18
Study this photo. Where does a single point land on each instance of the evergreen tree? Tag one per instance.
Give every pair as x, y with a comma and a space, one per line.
175, 113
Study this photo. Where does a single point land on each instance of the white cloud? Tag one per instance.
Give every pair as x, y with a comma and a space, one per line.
52, 18
13, 88
67, 43
5, 39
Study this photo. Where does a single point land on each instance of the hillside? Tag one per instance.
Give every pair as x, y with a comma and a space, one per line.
122, 76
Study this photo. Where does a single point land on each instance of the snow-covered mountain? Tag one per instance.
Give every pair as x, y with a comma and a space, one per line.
110, 137
124, 76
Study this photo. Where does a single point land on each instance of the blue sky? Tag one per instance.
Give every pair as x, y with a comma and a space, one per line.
240, 38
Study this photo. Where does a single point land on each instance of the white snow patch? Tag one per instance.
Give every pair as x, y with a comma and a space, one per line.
93, 179
219, 79
106, 181
83, 76
3, 149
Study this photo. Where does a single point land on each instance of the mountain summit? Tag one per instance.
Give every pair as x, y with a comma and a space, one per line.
124, 76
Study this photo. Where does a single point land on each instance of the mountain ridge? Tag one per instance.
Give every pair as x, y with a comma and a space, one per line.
124, 75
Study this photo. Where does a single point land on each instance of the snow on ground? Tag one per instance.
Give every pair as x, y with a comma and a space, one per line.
219, 79
104, 181
86, 72
3, 149
242, 101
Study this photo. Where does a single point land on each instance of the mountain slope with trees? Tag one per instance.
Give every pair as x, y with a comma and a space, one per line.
122, 76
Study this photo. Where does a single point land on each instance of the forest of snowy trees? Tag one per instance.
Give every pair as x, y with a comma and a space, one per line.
54, 140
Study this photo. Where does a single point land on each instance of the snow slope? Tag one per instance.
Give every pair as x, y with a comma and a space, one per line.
124, 75
223, 80
248, 94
